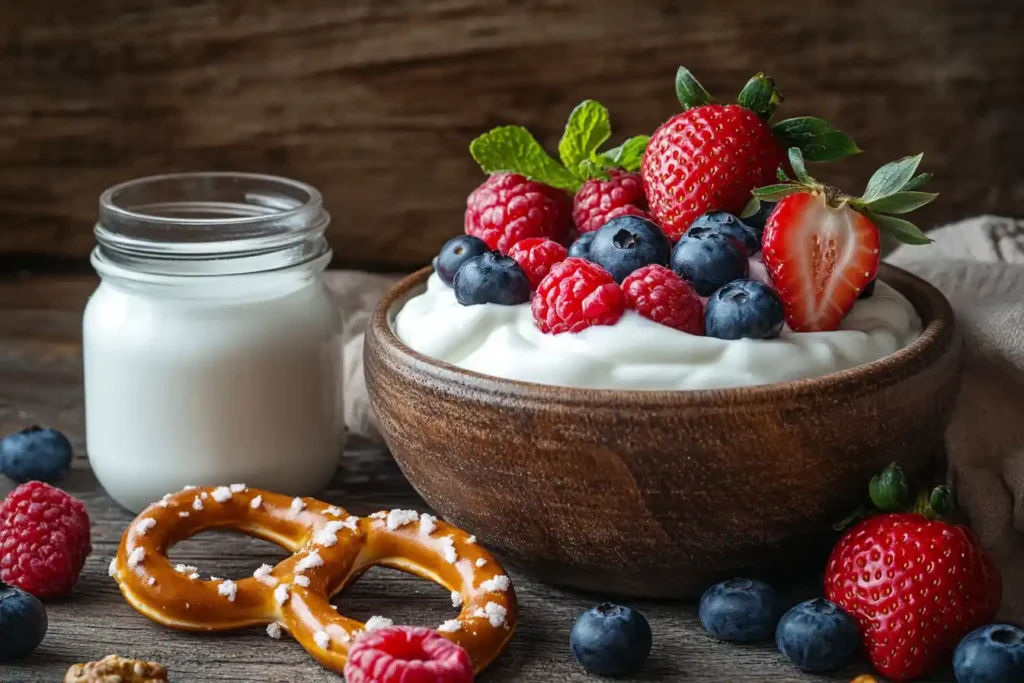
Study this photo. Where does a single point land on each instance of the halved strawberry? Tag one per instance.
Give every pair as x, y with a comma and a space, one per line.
821, 248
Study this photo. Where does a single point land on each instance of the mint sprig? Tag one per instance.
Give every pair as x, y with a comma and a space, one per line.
513, 149
889, 192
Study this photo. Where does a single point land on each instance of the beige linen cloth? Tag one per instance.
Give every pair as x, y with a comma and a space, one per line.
979, 265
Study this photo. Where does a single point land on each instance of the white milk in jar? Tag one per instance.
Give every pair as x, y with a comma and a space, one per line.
211, 347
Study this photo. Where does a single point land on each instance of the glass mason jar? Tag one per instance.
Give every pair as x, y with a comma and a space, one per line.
212, 348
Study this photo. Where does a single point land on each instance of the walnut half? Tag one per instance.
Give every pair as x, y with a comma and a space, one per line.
114, 669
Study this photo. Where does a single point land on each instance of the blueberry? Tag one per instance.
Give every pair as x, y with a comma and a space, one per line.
627, 243
454, 253
991, 654
708, 260
730, 226
868, 291
491, 278
744, 309
581, 247
817, 635
35, 454
758, 220
609, 640
740, 610
23, 622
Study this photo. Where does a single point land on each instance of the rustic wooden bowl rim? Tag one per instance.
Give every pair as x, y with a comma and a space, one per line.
931, 305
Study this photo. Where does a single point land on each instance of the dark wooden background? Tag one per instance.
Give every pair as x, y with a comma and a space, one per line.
375, 101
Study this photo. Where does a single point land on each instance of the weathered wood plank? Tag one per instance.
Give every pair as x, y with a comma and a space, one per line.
375, 102
40, 383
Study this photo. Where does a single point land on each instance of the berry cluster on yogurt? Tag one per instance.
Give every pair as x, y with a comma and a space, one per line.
712, 226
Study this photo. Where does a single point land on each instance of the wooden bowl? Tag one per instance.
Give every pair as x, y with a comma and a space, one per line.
659, 493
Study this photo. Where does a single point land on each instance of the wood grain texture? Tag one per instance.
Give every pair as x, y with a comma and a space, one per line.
40, 382
376, 102
660, 493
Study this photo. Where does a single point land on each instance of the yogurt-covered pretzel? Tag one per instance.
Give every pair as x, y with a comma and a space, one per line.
331, 549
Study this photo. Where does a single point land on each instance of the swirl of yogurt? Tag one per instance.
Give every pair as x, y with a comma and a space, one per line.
637, 353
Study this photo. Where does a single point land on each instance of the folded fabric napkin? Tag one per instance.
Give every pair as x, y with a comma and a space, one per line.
979, 265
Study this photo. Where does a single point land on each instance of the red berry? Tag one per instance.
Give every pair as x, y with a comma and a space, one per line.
594, 202
536, 255
820, 258
407, 654
575, 295
507, 208
708, 158
44, 539
658, 294
915, 587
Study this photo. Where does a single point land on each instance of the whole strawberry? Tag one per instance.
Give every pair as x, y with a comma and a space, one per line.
605, 184
821, 248
711, 156
916, 585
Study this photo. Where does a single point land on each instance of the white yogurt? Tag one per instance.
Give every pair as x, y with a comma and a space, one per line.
637, 353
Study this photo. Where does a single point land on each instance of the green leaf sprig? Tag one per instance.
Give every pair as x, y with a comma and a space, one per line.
513, 149
890, 192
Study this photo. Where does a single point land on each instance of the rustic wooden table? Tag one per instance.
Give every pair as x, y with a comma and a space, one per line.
40, 383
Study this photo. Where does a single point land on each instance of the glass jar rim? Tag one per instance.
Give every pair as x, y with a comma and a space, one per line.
210, 223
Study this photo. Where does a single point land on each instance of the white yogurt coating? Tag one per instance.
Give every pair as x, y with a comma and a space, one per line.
637, 353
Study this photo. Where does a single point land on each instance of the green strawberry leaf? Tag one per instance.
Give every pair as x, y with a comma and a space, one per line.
690, 92
752, 207
773, 193
796, 160
917, 181
513, 149
588, 127
626, 156
780, 173
889, 491
818, 139
901, 202
903, 231
891, 178
760, 96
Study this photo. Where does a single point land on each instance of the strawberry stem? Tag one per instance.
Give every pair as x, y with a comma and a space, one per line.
888, 490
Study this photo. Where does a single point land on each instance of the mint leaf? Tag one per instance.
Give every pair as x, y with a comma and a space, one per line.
917, 181
626, 156
902, 230
773, 193
588, 127
588, 169
891, 178
760, 96
513, 149
818, 139
690, 92
901, 202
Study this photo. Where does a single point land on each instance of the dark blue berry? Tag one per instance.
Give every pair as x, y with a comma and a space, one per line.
991, 654
868, 291
23, 622
758, 220
35, 454
609, 640
627, 243
744, 309
708, 260
817, 635
454, 253
740, 610
491, 278
730, 226
581, 247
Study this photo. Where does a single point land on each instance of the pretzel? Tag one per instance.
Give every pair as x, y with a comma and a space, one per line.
331, 549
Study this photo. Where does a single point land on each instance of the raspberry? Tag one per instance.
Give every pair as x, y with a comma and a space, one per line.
658, 294
593, 205
575, 295
407, 654
44, 539
507, 208
536, 255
